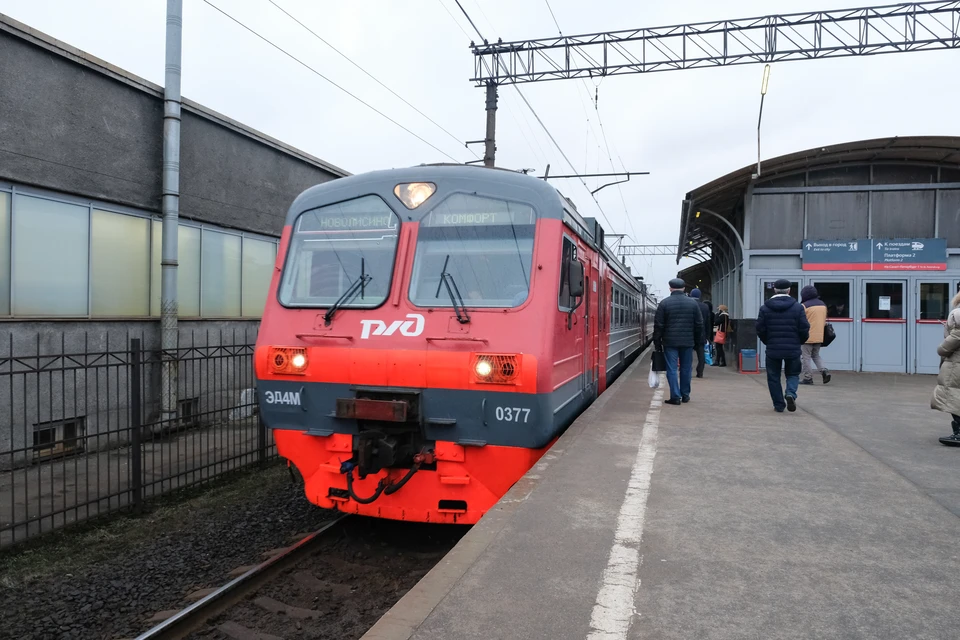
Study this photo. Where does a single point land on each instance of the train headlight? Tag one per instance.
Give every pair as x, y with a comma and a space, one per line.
496, 368
288, 360
414, 194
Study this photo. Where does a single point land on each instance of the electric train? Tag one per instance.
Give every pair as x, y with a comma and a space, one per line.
430, 332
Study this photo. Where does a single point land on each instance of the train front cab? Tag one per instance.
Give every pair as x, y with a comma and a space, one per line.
433, 385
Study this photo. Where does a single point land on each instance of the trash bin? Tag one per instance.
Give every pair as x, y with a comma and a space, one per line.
748, 361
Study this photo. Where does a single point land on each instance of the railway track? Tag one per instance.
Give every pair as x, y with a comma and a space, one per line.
333, 583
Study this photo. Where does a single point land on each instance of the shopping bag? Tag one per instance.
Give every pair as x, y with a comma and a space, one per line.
653, 379
707, 354
829, 335
659, 361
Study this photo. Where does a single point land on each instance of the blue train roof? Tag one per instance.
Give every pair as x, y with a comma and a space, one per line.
496, 183
481, 181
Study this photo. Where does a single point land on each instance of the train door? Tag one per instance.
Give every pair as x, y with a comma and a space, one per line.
591, 344
601, 330
587, 338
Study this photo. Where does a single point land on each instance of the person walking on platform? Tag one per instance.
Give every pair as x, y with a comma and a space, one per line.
810, 351
722, 323
782, 326
677, 330
707, 324
946, 395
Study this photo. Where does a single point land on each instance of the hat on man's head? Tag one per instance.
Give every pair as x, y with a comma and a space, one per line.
677, 283
782, 283
695, 293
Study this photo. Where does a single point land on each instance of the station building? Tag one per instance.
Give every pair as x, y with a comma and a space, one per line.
80, 200
874, 225
81, 155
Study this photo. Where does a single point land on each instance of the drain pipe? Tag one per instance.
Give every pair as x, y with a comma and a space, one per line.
169, 309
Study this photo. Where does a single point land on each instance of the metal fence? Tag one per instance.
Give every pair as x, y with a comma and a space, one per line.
81, 434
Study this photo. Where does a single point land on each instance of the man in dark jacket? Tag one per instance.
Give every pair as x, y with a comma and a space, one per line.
707, 324
782, 326
677, 329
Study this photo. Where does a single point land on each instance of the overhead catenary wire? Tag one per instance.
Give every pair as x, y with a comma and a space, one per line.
467, 15
370, 75
603, 133
449, 13
314, 71
550, 9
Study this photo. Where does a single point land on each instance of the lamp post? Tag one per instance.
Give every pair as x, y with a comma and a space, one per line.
763, 93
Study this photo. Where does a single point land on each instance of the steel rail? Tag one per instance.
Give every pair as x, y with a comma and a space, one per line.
194, 616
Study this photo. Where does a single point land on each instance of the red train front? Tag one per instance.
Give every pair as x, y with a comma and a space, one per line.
428, 334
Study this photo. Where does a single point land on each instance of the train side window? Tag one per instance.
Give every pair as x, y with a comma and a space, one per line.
566, 302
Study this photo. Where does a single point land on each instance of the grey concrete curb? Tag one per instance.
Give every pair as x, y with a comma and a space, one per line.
406, 616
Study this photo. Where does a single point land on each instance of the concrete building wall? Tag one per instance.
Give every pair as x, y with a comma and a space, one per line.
77, 130
75, 124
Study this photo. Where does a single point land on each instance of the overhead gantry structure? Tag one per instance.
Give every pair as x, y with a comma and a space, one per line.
898, 28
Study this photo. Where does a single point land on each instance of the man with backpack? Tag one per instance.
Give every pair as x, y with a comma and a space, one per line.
782, 325
810, 351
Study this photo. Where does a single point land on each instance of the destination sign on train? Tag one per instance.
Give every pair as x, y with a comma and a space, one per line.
480, 218
348, 222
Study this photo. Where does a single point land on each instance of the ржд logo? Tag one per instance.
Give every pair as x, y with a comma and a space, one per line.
409, 328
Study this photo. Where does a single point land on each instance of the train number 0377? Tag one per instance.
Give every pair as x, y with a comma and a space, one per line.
512, 414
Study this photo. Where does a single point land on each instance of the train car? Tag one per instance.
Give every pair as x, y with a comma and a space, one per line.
430, 332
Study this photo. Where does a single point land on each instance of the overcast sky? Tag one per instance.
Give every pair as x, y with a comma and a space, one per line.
685, 127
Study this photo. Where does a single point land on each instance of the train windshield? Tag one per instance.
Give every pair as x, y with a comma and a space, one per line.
484, 244
342, 252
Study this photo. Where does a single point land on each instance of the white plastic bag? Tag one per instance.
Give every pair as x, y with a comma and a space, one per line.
653, 379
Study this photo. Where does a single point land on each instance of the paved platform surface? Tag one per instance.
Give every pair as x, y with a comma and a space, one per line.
717, 519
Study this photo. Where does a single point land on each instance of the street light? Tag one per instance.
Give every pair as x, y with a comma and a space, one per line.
763, 93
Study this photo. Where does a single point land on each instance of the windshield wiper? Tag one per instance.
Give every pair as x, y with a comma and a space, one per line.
447, 279
358, 286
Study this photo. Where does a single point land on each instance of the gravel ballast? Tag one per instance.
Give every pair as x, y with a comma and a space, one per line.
107, 581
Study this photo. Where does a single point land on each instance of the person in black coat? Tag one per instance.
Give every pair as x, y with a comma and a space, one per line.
782, 325
707, 324
677, 329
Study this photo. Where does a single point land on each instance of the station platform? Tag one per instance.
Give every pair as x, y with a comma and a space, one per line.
719, 518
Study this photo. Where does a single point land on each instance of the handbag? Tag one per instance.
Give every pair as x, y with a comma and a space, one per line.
721, 336
659, 362
829, 335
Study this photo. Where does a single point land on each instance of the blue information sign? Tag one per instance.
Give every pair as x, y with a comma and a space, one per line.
836, 255
928, 254
921, 254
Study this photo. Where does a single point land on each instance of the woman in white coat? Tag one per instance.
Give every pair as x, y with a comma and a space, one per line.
946, 396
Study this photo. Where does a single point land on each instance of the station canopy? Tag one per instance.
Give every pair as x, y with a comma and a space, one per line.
699, 236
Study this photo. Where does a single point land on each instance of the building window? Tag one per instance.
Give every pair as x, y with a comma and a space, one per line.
934, 300
259, 258
120, 271
768, 290
63, 437
220, 274
188, 270
73, 260
4, 253
836, 295
50, 258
